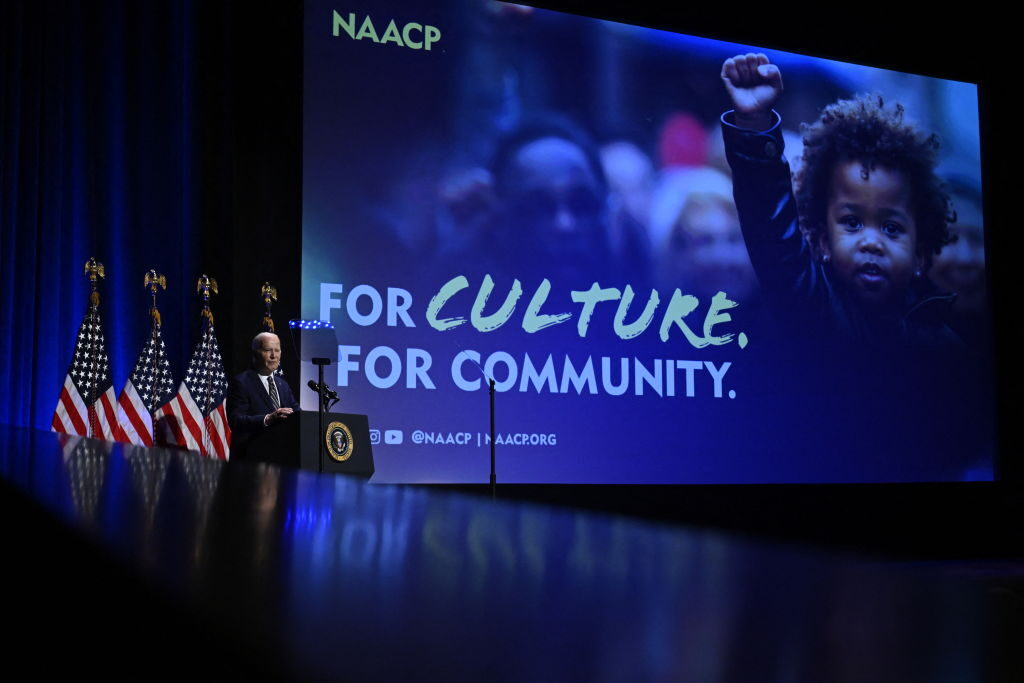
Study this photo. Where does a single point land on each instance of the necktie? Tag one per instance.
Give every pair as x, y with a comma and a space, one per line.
273, 393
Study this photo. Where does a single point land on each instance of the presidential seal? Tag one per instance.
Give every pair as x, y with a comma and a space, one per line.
339, 441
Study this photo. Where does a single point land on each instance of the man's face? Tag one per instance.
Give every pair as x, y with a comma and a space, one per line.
960, 267
555, 206
871, 235
707, 248
267, 358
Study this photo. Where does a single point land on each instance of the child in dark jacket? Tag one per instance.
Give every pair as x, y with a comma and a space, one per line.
849, 251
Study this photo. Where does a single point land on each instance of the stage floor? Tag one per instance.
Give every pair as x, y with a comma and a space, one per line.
161, 564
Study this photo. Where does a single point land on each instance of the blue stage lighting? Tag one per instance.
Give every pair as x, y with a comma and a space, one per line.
311, 324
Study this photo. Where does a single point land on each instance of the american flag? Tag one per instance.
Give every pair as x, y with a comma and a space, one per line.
86, 404
149, 387
196, 414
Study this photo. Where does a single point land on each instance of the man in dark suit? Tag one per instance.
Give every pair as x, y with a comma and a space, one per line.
258, 398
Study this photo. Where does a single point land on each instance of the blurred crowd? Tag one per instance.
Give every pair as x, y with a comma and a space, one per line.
554, 201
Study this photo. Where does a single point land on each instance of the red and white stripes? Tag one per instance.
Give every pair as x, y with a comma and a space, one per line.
73, 416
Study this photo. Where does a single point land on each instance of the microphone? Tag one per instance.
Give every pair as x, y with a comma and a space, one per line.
327, 391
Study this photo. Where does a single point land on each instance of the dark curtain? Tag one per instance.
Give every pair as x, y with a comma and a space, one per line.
147, 135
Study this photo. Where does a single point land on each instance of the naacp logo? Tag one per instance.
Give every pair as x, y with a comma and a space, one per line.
339, 441
413, 35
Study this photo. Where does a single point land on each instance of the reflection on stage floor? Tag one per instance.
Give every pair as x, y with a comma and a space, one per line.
251, 571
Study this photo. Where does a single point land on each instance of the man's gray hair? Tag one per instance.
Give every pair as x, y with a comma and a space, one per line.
257, 340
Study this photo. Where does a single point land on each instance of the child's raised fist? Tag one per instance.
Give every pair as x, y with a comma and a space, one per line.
754, 85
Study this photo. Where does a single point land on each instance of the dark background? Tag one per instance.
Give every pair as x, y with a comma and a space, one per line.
168, 134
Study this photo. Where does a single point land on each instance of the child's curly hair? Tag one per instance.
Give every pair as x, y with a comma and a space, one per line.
865, 130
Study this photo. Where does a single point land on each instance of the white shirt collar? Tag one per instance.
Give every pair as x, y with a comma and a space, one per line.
265, 380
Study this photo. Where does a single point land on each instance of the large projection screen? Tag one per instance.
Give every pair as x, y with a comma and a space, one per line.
554, 202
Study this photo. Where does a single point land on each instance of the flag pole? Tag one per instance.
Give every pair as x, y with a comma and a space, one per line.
94, 271
204, 286
153, 281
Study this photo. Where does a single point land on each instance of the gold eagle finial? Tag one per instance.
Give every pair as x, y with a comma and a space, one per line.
204, 286
269, 292
154, 281
94, 270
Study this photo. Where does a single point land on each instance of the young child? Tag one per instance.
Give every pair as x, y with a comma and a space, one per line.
849, 252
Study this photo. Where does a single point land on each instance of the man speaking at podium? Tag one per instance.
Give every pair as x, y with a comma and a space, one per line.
258, 398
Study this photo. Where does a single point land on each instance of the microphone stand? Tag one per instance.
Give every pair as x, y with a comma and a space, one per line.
490, 385
494, 476
322, 412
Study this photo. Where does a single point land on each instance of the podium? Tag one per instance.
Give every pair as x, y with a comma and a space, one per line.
295, 442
